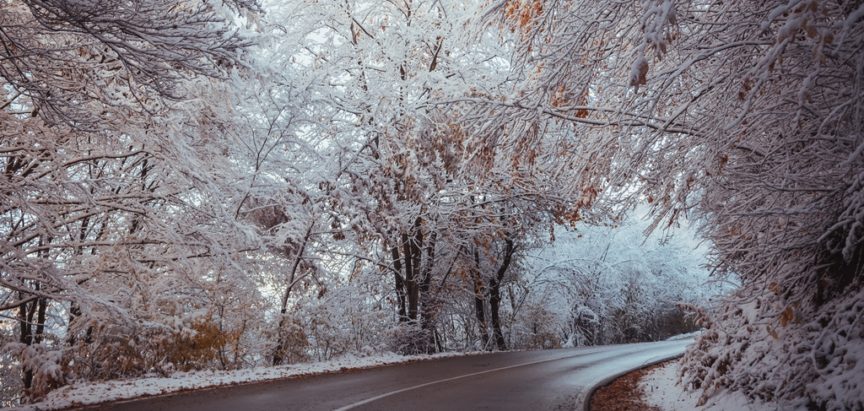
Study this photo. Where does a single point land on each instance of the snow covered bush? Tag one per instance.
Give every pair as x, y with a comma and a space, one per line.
10, 371
609, 284
536, 328
42, 365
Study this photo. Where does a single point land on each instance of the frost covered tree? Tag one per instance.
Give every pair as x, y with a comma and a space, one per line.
747, 113
104, 144
608, 284
398, 181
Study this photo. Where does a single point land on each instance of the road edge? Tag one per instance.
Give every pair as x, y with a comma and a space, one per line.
39, 406
586, 399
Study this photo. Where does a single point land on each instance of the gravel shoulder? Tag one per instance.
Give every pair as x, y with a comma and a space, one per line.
625, 393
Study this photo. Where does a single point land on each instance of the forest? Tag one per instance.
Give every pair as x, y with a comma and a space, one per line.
225, 184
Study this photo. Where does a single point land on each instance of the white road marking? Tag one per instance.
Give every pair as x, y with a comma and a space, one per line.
391, 393
584, 353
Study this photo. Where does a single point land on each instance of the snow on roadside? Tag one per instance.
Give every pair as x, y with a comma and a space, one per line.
662, 391
687, 336
88, 393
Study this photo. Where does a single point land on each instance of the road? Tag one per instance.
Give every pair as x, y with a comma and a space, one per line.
527, 380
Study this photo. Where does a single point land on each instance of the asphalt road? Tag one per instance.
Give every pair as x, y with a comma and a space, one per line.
528, 380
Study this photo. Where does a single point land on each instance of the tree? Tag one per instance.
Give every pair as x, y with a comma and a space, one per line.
92, 183
608, 284
745, 114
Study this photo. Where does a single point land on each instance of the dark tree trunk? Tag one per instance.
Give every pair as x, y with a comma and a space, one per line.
40, 320
25, 337
412, 260
479, 301
278, 358
75, 309
136, 219
416, 263
399, 283
74, 314
410, 279
428, 303
30, 335
494, 303
495, 294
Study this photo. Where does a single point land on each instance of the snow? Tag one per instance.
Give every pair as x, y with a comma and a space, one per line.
614, 361
624, 359
686, 336
116, 390
662, 391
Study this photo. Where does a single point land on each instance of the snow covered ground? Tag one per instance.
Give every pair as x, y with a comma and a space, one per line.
115, 390
687, 336
626, 357
661, 391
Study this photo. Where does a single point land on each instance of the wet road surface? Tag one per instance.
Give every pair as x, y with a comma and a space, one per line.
527, 380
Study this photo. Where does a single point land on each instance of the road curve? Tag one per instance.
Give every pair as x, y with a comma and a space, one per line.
526, 380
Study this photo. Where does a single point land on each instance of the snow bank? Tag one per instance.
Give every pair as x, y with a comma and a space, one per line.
662, 391
687, 336
115, 390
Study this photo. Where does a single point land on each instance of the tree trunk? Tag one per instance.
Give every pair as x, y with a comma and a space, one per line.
479, 301
428, 305
28, 335
495, 294
278, 358
399, 284
410, 279
494, 303
416, 247
26, 312
26, 338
